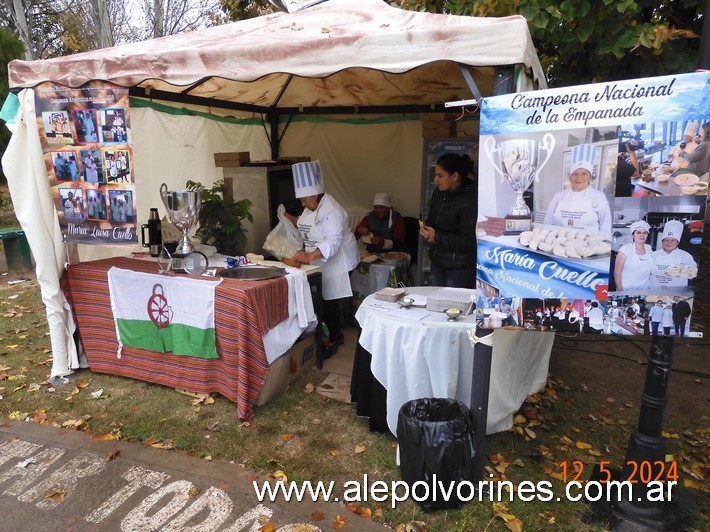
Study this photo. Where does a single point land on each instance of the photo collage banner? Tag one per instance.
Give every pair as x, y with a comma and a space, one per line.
592, 203
85, 134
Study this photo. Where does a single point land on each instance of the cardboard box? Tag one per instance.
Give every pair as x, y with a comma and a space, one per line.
232, 158
287, 367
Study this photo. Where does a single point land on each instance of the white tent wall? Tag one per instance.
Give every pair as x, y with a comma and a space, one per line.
362, 159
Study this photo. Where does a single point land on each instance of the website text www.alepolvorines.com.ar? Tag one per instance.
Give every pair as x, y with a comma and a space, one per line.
398, 491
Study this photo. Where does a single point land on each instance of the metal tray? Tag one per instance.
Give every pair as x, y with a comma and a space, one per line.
253, 273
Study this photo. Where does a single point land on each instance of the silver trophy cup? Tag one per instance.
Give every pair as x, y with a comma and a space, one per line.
518, 162
182, 207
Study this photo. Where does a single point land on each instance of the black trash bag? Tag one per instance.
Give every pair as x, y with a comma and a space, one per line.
436, 437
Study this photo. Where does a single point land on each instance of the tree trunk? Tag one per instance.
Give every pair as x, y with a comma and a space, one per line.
17, 14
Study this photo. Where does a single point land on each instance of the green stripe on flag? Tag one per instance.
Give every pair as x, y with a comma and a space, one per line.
176, 338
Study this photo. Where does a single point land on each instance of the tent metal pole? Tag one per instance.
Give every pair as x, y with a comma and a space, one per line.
466, 73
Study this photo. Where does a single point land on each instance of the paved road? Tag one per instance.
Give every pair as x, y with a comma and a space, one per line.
56, 479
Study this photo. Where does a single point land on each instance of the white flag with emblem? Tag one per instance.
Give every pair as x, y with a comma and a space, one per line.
168, 314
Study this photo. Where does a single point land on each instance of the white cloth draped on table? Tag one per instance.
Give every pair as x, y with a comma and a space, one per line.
434, 358
301, 316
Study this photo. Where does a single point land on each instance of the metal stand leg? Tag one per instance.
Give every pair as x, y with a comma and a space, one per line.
482, 356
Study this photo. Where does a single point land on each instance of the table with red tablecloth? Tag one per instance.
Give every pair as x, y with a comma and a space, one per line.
244, 312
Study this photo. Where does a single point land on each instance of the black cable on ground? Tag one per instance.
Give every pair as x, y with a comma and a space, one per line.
571, 342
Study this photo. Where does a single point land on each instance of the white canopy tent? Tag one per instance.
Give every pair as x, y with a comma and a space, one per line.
337, 58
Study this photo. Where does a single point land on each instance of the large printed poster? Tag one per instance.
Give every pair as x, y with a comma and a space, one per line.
85, 134
592, 204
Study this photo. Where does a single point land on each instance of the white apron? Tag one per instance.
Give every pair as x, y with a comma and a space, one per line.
576, 211
636, 273
336, 278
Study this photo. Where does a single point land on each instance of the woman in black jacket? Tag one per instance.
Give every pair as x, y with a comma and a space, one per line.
450, 227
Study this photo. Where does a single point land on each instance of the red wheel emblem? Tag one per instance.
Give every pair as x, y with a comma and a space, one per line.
158, 308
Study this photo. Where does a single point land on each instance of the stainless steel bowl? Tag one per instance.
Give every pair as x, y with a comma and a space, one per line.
406, 302
452, 313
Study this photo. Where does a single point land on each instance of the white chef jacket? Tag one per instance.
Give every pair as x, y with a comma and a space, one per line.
586, 209
678, 160
662, 261
327, 229
636, 273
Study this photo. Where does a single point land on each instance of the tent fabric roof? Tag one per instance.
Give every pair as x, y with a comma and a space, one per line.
337, 53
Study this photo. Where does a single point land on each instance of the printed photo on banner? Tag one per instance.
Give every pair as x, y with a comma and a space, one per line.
121, 206
656, 244
92, 164
663, 159
117, 164
560, 315
113, 125
56, 127
545, 220
96, 209
77, 126
65, 165
657, 315
593, 192
85, 126
73, 204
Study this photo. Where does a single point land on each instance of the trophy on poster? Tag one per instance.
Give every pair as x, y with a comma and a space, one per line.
519, 164
182, 207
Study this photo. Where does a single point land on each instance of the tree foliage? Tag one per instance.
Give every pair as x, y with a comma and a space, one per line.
243, 9
11, 47
584, 41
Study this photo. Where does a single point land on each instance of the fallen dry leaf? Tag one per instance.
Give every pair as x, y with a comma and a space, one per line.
114, 455
334, 452
287, 437
280, 476
317, 516
82, 384
339, 522
516, 525
56, 494
309, 388
268, 527
582, 445
364, 512
359, 449
167, 445
194, 491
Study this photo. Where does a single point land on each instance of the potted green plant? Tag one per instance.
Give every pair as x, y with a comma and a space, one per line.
220, 220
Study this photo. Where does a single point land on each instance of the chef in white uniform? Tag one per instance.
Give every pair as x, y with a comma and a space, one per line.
580, 206
679, 155
327, 240
634, 261
670, 255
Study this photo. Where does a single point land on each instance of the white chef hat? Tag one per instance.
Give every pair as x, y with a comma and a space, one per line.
691, 129
639, 225
382, 198
672, 229
308, 179
582, 156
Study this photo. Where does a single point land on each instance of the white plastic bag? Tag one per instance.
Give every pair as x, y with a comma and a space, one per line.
284, 240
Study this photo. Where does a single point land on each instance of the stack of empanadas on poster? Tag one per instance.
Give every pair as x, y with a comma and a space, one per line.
566, 243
